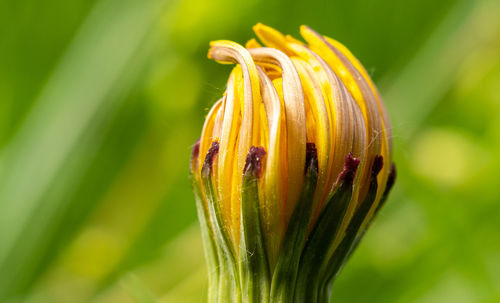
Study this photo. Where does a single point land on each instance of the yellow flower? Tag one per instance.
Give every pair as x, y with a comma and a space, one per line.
288, 156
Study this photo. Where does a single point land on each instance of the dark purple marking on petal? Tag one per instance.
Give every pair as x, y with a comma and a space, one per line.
209, 159
391, 179
311, 157
194, 155
350, 166
378, 163
253, 164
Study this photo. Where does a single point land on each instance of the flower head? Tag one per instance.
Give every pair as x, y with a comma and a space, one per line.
292, 162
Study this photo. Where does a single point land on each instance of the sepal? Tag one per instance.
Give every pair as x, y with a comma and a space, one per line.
253, 264
207, 233
324, 233
353, 233
287, 267
229, 282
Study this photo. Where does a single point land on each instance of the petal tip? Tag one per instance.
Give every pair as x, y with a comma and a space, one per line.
209, 159
253, 163
378, 163
349, 172
311, 157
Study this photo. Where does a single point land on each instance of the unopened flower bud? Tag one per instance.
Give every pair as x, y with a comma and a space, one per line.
292, 165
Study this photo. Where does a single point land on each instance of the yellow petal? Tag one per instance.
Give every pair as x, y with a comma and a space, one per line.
295, 121
228, 140
386, 128
317, 115
252, 43
273, 195
270, 37
362, 94
249, 134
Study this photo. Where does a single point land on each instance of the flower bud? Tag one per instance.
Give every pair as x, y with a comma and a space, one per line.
293, 163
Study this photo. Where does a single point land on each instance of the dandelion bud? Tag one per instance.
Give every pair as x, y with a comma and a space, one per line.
293, 163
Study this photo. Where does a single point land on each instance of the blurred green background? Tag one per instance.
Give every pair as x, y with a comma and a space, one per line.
101, 100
